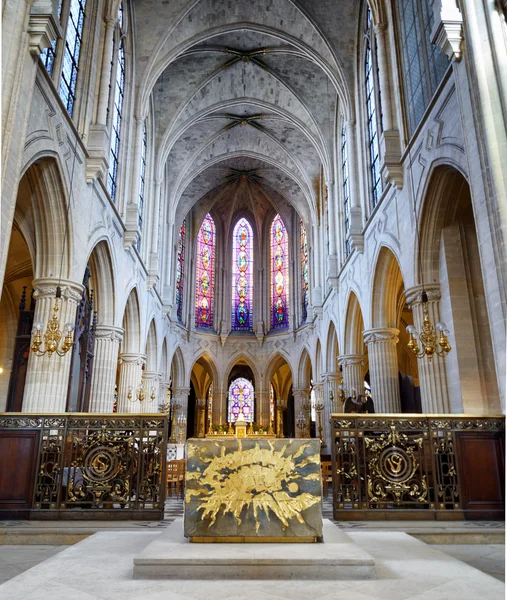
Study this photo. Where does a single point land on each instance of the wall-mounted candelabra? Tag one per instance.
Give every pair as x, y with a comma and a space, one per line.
319, 407
201, 412
281, 405
301, 424
307, 409
175, 407
182, 428
141, 393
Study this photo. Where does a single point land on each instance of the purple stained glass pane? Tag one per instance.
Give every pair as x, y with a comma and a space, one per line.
241, 400
242, 276
205, 274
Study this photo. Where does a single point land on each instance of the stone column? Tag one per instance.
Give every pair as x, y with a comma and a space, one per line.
262, 404
383, 361
47, 377
432, 375
151, 380
105, 365
356, 218
153, 247
131, 372
353, 373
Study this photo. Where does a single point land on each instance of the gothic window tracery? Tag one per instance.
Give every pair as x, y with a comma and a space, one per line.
242, 276
241, 400
279, 275
180, 262
205, 274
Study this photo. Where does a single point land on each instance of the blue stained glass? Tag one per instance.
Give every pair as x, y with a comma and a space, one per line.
242, 276
142, 177
117, 116
205, 274
73, 40
241, 400
279, 275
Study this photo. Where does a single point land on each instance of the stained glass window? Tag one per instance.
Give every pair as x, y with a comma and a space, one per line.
373, 110
180, 260
73, 41
279, 274
241, 400
345, 184
242, 277
142, 179
205, 274
115, 133
424, 64
304, 271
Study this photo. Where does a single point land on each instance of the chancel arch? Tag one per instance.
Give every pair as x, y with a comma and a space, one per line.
354, 360
204, 394
279, 397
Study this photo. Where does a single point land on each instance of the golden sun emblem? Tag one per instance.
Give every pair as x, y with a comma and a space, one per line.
254, 480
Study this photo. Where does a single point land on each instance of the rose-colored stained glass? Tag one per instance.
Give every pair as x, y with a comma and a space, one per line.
279, 275
205, 274
241, 399
304, 271
180, 260
242, 276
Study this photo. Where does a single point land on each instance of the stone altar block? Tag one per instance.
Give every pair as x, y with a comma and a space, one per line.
248, 490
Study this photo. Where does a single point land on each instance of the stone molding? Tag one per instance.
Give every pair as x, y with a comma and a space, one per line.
43, 26
350, 360
46, 288
132, 359
391, 168
381, 334
447, 32
413, 295
113, 334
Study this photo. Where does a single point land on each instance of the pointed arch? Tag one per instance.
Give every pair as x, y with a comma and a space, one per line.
131, 342
304, 369
151, 348
387, 283
354, 327
332, 351
103, 283
177, 371
164, 366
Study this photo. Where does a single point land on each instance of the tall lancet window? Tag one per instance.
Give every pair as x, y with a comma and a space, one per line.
119, 90
142, 181
346, 198
205, 274
180, 262
242, 276
279, 274
73, 41
305, 284
373, 108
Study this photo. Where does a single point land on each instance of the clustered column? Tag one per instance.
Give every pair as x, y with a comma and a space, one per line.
105, 364
383, 362
353, 373
131, 372
47, 377
432, 375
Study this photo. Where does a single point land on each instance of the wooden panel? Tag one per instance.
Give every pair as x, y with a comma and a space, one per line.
480, 456
18, 462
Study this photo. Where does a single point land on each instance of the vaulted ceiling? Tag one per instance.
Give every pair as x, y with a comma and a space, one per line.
245, 97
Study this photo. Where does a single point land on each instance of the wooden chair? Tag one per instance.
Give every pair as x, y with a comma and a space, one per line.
172, 477
327, 476
180, 487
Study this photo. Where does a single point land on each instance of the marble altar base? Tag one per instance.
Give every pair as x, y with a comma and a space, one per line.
172, 556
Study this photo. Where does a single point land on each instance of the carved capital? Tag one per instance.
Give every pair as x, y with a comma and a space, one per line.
46, 288
413, 295
110, 334
43, 26
381, 334
392, 168
132, 359
350, 360
447, 31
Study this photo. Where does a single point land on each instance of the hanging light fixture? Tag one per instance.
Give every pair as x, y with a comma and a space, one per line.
433, 340
52, 333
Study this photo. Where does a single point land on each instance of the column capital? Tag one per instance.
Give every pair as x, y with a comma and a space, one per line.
381, 334
109, 333
348, 360
331, 376
132, 359
45, 287
447, 32
413, 295
149, 375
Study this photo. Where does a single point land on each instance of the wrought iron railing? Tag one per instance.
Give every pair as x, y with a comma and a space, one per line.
403, 463
96, 465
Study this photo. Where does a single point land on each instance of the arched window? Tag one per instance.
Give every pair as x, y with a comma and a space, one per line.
279, 274
142, 179
119, 90
205, 274
345, 186
242, 276
241, 400
180, 261
304, 271
424, 64
373, 108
